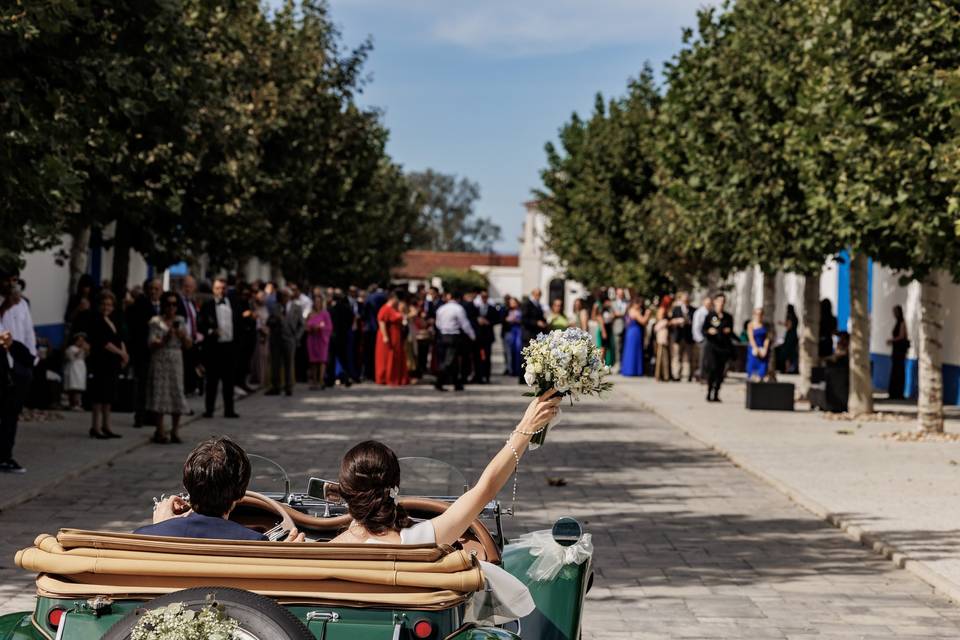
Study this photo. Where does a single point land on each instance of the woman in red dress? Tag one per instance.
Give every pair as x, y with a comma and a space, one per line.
391, 355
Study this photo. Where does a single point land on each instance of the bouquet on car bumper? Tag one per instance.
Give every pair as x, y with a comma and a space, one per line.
570, 362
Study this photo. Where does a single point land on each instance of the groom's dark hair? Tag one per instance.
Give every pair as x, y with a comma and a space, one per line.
216, 475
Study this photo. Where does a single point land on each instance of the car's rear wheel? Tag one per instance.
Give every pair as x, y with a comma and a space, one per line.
259, 618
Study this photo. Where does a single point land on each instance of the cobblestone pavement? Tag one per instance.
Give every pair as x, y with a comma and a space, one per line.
687, 545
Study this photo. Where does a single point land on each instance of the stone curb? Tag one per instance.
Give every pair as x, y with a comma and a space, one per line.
855, 532
30, 494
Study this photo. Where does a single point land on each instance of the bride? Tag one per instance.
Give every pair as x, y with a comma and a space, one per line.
370, 484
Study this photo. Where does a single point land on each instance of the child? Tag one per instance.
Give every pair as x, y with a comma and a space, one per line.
75, 370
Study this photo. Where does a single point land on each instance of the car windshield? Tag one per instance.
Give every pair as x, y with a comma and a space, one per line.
269, 478
423, 477
430, 478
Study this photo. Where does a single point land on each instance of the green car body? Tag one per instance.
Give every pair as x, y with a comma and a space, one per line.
557, 616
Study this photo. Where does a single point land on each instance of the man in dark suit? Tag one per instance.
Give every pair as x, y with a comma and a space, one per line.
470, 351
286, 330
341, 315
681, 328
188, 310
145, 307
532, 323
218, 321
16, 373
216, 475
488, 316
245, 335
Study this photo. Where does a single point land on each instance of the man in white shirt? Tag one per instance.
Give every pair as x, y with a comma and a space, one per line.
19, 353
452, 325
301, 299
217, 321
699, 316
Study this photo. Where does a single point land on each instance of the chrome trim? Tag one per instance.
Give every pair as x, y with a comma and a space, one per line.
326, 616
62, 626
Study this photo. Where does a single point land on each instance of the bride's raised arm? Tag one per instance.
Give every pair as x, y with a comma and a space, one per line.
450, 525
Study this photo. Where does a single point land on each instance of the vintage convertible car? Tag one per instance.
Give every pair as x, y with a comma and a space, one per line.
98, 584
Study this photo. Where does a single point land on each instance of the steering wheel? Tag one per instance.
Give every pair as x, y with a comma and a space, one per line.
254, 499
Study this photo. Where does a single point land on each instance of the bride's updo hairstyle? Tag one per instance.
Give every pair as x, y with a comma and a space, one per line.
369, 474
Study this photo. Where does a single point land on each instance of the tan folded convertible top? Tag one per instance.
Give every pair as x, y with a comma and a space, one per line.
87, 563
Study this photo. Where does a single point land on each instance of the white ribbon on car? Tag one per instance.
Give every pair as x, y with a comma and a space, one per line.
504, 598
552, 557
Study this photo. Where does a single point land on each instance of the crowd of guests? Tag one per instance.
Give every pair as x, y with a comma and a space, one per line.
225, 337
675, 340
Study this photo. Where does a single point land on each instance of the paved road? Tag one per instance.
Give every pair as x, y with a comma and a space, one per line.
688, 545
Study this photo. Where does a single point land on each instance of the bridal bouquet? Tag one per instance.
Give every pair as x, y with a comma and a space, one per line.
570, 362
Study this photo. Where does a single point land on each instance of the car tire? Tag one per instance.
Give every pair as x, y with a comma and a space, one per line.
259, 616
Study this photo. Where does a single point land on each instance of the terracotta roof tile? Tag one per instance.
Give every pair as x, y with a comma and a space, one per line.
420, 265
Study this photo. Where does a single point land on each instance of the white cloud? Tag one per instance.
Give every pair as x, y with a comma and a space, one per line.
531, 27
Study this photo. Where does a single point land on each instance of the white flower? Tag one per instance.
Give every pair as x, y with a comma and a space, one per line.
530, 377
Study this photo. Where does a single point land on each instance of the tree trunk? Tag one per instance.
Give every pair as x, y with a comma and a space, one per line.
770, 298
769, 317
79, 244
744, 303
929, 355
809, 332
120, 272
861, 384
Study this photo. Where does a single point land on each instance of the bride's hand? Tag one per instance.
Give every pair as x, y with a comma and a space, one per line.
541, 411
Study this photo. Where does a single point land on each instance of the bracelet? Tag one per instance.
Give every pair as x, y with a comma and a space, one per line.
529, 433
516, 473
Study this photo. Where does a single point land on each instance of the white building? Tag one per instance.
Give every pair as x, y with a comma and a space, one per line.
884, 292
47, 277
515, 275
539, 267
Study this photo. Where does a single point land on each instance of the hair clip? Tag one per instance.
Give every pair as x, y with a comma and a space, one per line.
394, 492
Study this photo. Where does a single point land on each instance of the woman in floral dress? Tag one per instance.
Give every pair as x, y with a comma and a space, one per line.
165, 395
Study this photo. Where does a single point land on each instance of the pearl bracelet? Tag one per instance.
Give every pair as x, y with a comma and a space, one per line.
529, 433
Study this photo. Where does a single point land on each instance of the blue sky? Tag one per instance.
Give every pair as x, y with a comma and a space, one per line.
477, 88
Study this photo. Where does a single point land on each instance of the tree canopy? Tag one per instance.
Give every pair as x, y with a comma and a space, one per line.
599, 193
181, 129
447, 220
786, 132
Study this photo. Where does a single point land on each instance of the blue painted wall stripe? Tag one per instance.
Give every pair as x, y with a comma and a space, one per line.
881, 377
54, 333
843, 290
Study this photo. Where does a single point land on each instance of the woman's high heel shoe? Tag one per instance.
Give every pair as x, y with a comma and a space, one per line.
96, 434
111, 434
